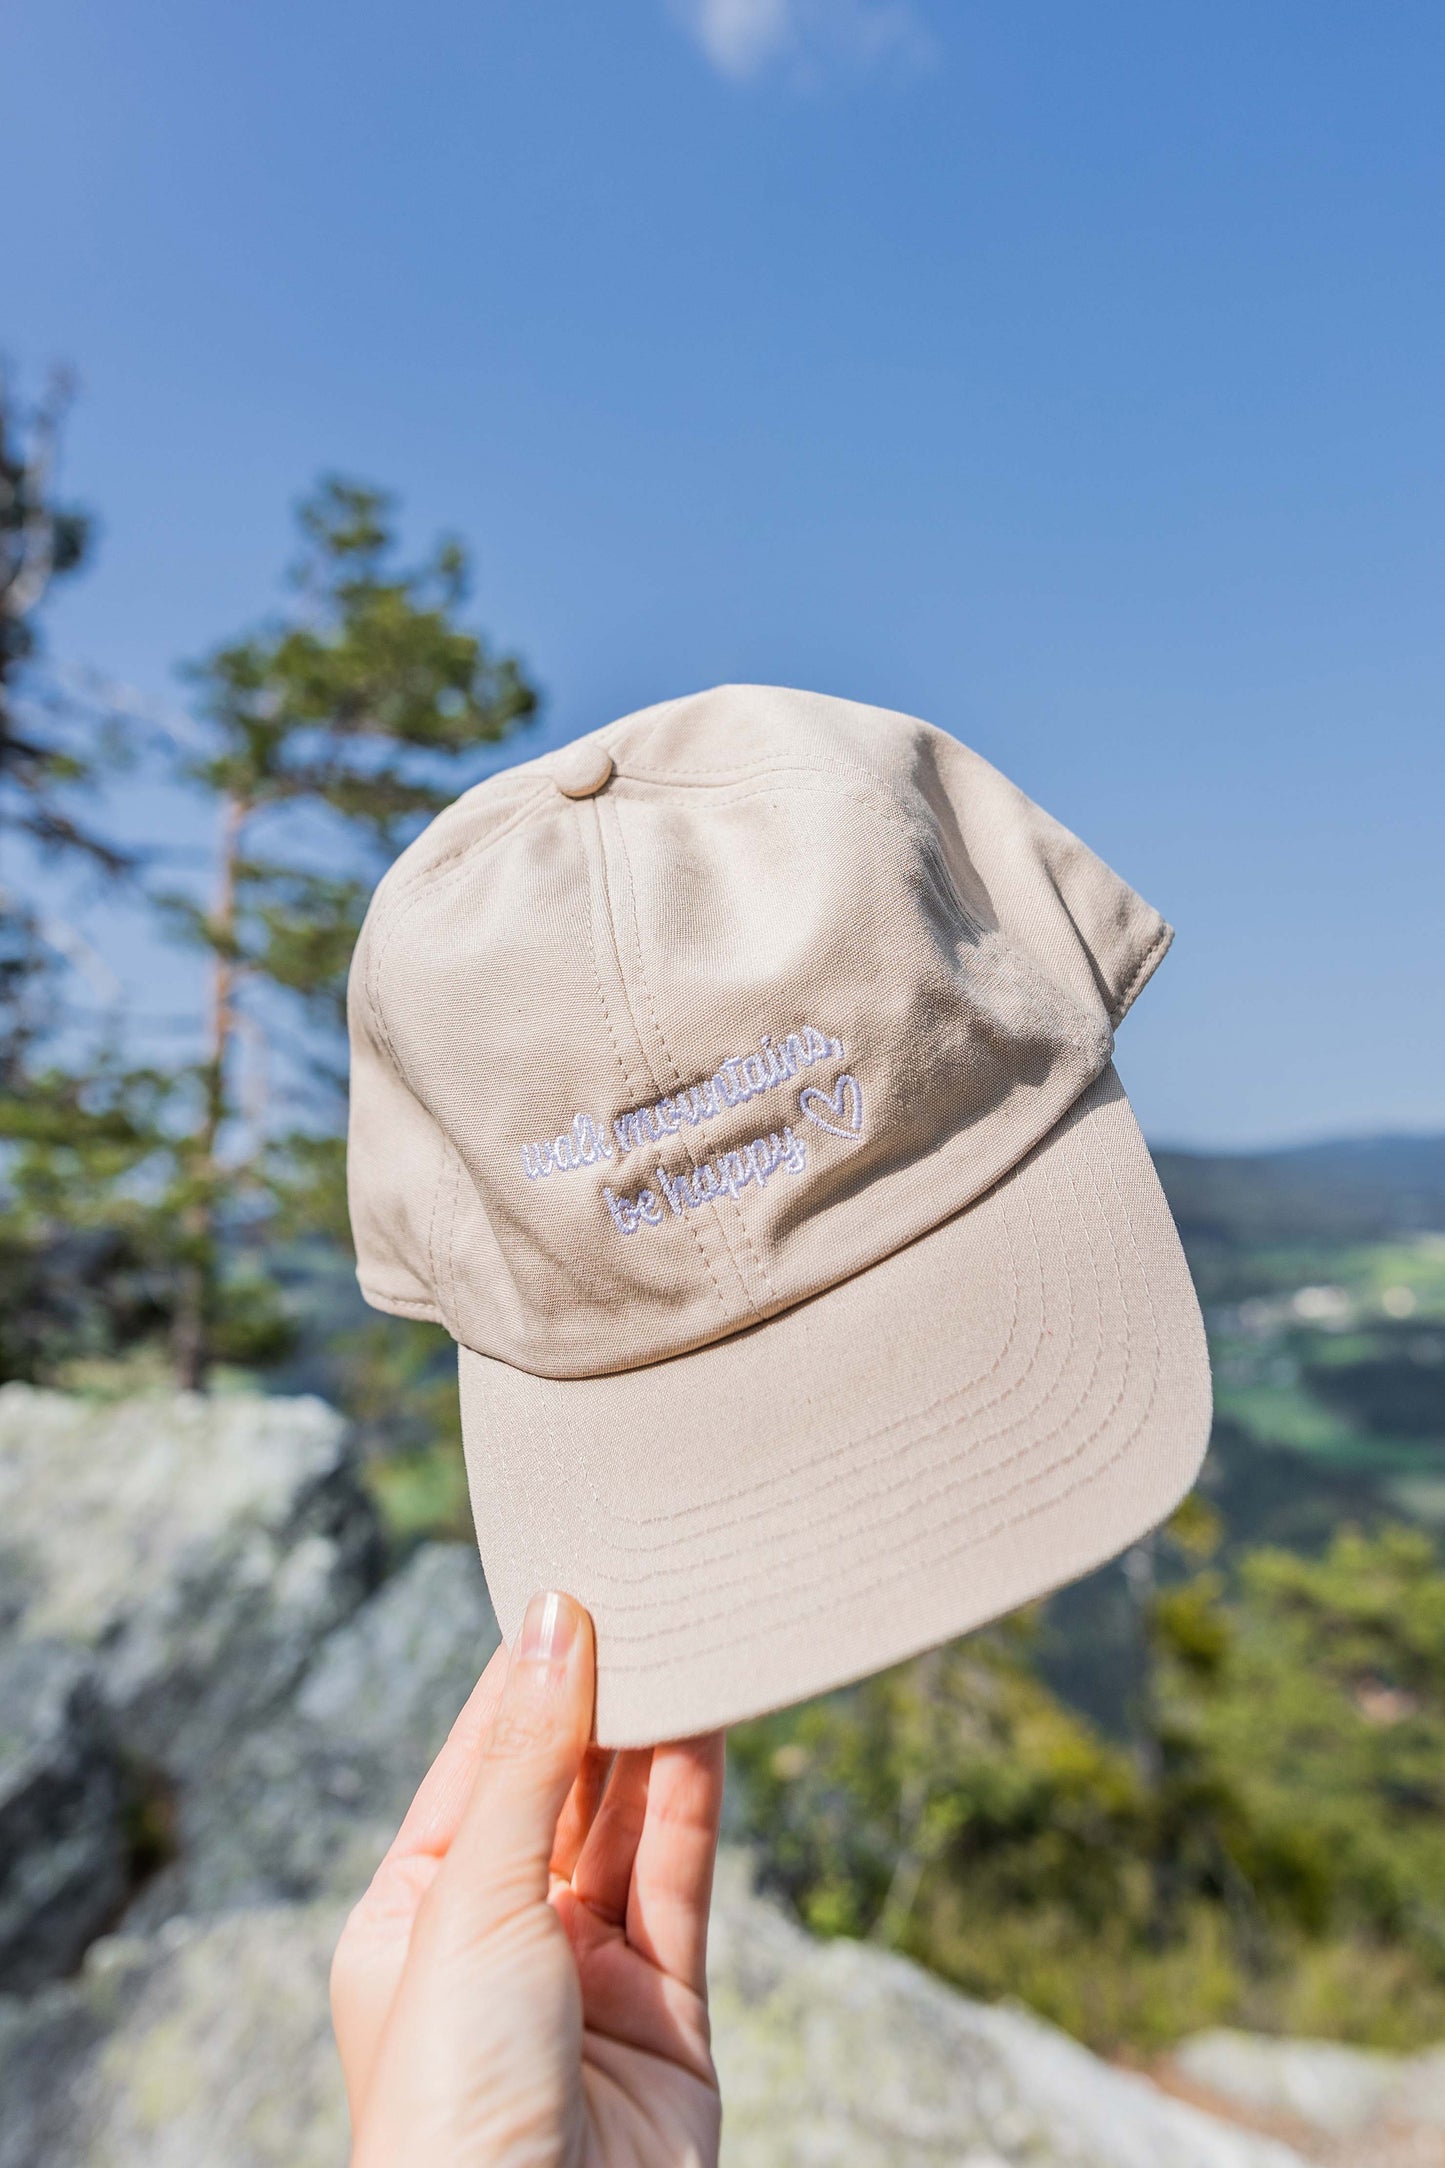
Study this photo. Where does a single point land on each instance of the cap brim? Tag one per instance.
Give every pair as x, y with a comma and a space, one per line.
985, 1415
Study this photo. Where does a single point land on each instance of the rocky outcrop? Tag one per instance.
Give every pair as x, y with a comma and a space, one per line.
196, 1549
62, 1844
209, 2042
189, 1602
1343, 2104
200, 2044
837, 2055
167, 1569
305, 1804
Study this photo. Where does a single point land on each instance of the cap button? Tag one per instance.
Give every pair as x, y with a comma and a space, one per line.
582, 770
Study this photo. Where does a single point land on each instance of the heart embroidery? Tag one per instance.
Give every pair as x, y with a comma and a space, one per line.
839, 1111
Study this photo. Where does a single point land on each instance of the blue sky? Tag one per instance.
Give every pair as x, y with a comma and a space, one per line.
1068, 375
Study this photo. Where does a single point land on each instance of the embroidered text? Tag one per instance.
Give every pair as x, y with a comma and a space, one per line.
726, 1176
740, 1078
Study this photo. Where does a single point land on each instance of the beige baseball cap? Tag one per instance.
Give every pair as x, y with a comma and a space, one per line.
734, 1086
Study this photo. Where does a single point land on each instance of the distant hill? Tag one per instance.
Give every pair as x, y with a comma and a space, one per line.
1365, 1189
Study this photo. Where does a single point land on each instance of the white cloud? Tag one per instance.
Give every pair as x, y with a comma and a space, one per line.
739, 36
743, 37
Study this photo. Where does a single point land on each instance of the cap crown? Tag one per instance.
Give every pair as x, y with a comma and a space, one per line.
634, 1070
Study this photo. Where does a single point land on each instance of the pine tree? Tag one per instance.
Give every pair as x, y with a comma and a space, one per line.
330, 737
67, 1126
137, 1203
51, 743
48, 748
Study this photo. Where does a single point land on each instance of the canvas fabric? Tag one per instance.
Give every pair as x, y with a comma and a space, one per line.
737, 1117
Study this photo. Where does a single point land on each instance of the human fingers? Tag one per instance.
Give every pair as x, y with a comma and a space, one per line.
498, 1860
371, 1953
430, 1822
579, 1811
603, 1873
672, 1875
432, 1818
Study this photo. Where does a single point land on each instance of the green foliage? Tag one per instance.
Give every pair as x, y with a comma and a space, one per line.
329, 737
367, 703
396, 1378
51, 745
374, 655
1329, 1371
1270, 1850
135, 1204
73, 1276
959, 1761
1391, 1381
101, 1179
1330, 1708
422, 1495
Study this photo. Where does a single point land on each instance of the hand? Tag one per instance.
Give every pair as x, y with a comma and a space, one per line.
523, 1982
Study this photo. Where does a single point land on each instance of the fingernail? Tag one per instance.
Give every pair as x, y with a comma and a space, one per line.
548, 1630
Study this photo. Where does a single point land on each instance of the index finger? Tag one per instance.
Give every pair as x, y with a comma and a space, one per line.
372, 1951
430, 1822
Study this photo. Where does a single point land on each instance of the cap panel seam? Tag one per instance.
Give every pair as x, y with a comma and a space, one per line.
622, 1069
450, 863
677, 1076
718, 1217
627, 1085
431, 1225
744, 773
648, 1065
583, 806
400, 878
451, 1256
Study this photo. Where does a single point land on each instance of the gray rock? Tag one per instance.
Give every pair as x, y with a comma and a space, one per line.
210, 2043
198, 1548
1340, 2091
203, 2044
838, 2055
307, 1803
168, 1566
62, 1850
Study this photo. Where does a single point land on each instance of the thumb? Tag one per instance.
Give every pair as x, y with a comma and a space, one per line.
499, 1857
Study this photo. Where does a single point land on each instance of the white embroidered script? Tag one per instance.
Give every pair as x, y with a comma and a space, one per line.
735, 1081
740, 1078
726, 1176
